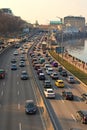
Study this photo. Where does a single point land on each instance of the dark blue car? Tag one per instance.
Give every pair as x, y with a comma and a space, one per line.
13, 67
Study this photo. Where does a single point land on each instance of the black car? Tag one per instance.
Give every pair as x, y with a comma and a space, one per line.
13, 67
22, 64
67, 95
84, 97
64, 73
60, 68
24, 75
82, 116
30, 107
13, 60
41, 76
47, 84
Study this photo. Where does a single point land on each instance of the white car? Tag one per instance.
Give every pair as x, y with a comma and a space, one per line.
49, 71
15, 53
71, 79
49, 93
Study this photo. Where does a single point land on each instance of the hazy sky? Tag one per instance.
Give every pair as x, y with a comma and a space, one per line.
45, 10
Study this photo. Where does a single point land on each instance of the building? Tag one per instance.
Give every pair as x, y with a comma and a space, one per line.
75, 22
6, 11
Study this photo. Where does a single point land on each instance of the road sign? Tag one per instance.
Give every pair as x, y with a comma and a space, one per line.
59, 49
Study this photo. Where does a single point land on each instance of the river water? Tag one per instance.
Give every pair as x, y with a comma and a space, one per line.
77, 48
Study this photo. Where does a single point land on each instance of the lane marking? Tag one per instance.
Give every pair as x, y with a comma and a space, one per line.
19, 126
18, 106
17, 75
73, 117
3, 83
17, 82
18, 92
62, 100
2, 93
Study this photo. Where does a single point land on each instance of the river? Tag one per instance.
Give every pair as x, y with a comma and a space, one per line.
77, 48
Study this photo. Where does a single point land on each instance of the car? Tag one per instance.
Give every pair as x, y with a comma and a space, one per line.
67, 95
23, 52
24, 75
39, 71
22, 64
54, 64
2, 73
13, 60
81, 116
47, 83
30, 107
49, 71
41, 76
46, 66
13, 67
54, 75
42, 60
70, 79
84, 97
60, 68
22, 58
34, 59
15, 53
37, 66
49, 93
34, 63
64, 73
59, 83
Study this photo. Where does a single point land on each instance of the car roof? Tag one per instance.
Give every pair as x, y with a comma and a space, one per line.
49, 89
47, 80
60, 80
41, 73
50, 68
24, 71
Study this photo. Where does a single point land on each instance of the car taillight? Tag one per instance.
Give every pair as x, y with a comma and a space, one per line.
85, 118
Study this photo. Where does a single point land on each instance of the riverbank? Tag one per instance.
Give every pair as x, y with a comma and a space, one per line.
73, 65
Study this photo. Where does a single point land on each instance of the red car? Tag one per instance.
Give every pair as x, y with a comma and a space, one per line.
2, 74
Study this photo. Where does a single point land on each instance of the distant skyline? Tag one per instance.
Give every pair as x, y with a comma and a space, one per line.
45, 10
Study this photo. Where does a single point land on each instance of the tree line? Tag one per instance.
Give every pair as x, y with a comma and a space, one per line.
10, 23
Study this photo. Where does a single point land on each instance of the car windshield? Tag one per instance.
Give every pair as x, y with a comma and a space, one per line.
60, 82
69, 93
50, 91
24, 73
30, 105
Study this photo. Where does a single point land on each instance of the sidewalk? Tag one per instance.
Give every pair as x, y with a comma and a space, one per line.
76, 62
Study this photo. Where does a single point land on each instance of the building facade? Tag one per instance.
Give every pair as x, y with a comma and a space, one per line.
75, 22
6, 11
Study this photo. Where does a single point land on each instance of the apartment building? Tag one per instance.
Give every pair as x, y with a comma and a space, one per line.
77, 22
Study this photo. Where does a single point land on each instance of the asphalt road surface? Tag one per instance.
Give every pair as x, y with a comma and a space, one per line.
13, 93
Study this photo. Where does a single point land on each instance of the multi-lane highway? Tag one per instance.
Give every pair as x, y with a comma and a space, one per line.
14, 92
63, 112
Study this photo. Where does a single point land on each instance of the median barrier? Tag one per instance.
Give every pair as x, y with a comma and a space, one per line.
41, 101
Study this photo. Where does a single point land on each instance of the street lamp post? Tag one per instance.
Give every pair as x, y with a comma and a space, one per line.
62, 49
